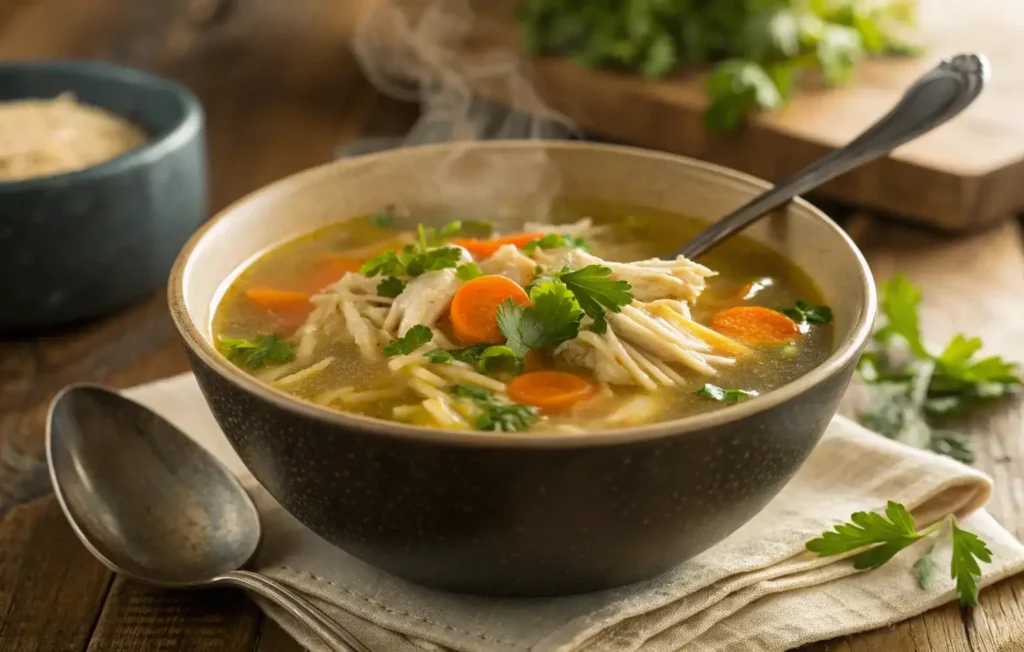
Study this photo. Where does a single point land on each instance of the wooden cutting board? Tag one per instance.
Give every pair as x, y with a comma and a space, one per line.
965, 175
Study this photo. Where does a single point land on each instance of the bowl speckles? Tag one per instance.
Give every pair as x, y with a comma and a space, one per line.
514, 513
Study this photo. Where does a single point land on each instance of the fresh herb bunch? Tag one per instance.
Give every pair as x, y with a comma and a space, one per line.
913, 390
882, 537
759, 48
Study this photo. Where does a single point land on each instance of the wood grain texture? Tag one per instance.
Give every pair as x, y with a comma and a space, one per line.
136, 618
960, 177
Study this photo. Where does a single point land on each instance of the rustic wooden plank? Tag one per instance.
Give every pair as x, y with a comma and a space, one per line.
51, 589
969, 166
143, 619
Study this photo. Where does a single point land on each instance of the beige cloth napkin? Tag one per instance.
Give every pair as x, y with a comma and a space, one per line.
757, 590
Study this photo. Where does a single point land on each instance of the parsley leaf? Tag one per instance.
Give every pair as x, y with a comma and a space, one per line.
968, 550
383, 219
471, 392
804, 313
496, 415
256, 353
596, 291
387, 263
899, 299
498, 359
869, 529
416, 337
911, 389
556, 241
438, 356
413, 260
486, 358
390, 287
553, 318
433, 260
725, 395
882, 537
468, 271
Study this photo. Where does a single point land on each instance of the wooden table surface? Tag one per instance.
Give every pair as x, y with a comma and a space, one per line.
282, 91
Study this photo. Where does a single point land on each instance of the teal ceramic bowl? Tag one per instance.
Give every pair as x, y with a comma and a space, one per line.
78, 245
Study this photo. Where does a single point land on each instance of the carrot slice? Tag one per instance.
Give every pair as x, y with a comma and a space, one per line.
755, 325
474, 309
487, 248
551, 391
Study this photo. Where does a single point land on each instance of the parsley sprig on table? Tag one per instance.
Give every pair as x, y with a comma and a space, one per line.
882, 537
759, 49
257, 352
912, 390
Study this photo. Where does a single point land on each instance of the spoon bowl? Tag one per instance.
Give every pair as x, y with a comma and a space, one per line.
145, 499
156, 507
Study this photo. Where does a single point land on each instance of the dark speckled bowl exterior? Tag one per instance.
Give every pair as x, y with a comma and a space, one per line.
78, 245
514, 513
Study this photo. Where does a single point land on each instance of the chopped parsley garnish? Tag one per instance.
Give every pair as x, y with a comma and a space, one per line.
468, 271
433, 236
804, 313
470, 392
499, 359
486, 358
723, 395
553, 318
882, 537
411, 261
258, 352
912, 389
556, 241
390, 287
438, 356
496, 415
597, 292
416, 337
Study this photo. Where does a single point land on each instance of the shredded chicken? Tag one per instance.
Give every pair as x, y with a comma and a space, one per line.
580, 228
348, 310
424, 301
650, 279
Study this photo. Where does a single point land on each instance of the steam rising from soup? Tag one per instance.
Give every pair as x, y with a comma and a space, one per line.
570, 324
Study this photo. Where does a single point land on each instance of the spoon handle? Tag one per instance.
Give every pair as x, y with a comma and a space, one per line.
934, 98
302, 610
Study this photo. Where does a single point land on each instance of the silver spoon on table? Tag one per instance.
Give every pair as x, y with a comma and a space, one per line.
156, 507
938, 95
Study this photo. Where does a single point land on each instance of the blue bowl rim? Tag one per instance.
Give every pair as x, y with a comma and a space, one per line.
179, 135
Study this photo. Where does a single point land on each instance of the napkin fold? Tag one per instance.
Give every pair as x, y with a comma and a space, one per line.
758, 590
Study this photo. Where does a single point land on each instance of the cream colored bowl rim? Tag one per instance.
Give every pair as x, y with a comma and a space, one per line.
205, 351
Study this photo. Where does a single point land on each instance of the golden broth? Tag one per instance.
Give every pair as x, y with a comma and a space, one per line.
646, 234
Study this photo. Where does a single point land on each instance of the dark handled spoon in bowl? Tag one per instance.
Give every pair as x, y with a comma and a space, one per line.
936, 97
156, 507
